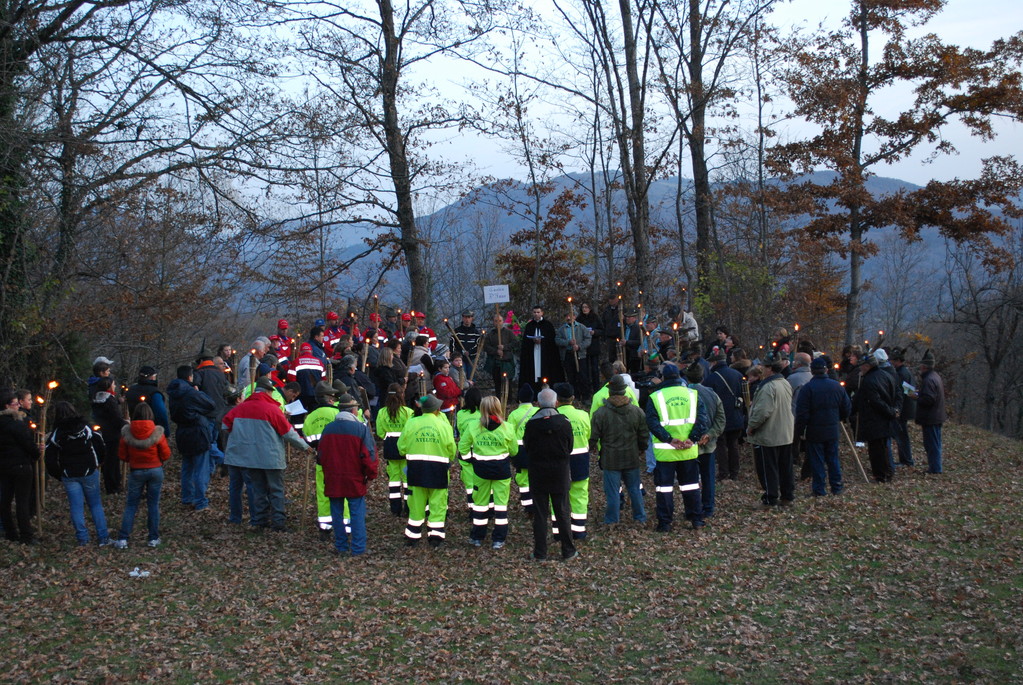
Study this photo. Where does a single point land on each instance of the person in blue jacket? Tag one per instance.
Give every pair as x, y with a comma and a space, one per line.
821, 405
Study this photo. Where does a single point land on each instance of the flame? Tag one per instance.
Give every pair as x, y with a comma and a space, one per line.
40, 400
95, 428
142, 399
880, 332
836, 366
796, 326
52, 384
32, 425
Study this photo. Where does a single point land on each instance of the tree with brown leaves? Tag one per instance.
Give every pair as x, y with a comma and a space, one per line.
835, 82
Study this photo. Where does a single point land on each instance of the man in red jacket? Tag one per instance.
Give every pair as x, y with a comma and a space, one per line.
347, 453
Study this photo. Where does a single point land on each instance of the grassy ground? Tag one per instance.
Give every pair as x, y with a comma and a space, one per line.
919, 580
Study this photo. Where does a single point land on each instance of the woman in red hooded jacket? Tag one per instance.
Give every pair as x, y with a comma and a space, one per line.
144, 447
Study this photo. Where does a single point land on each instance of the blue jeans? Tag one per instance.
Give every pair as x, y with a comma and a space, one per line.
612, 483
195, 478
708, 481
651, 460
238, 478
357, 513
932, 446
267, 503
82, 491
824, 455
902, 441
152, 481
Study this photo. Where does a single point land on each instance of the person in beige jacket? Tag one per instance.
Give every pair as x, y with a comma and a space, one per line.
771, 431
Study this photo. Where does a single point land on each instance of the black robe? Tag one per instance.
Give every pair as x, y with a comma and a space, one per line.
550, 358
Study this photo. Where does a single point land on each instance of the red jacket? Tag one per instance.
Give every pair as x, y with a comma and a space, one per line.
347, 453
143, 445
448, 391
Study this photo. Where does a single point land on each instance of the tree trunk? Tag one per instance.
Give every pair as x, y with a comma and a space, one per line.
856, 178
411, 244
636, 178
697, 149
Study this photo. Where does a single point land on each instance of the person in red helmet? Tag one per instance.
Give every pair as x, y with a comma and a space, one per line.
307, 370
332, 333
375, 334
282, 341
426, 330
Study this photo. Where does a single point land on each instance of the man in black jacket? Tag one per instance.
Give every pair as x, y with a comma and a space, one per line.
548, 439
874, 406
192, 410
727, 383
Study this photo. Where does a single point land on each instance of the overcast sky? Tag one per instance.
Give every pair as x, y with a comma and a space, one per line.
963, 22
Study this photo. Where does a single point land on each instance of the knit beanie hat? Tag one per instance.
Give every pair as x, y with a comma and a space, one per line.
565, 391
429, 403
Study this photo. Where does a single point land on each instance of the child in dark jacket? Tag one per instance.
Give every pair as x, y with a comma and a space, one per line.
75, 452
145, 449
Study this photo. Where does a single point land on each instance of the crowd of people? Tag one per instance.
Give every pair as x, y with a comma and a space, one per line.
673, 405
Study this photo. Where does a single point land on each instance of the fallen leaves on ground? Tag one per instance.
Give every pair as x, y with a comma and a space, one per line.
918, 580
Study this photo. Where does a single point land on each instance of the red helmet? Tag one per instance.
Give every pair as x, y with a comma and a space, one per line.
406, 317
282, 324
332, 316
306, 347
420, 315
374, 317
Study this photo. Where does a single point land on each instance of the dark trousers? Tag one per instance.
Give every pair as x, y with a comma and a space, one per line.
728, 454
593, 368
774, 471
688, 474
880, 463
111, 468
708, 483
823, 460
544, 500
16, 485
580, 379
902, 442
267, 505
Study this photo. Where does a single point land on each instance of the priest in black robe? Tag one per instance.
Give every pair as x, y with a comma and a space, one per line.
540, 356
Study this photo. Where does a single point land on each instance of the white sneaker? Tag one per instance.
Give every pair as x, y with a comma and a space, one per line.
497, 545
120, 544
154, 543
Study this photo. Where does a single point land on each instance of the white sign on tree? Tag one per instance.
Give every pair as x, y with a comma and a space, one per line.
495, 294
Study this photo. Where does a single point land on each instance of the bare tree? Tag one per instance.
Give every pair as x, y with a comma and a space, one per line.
987, 311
